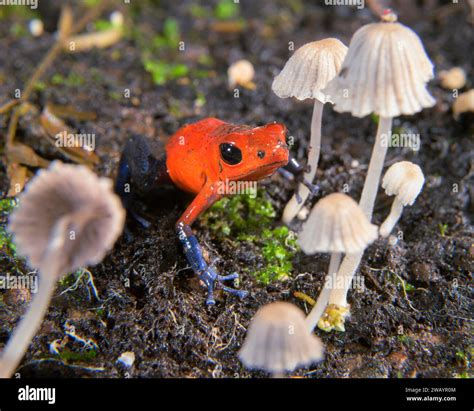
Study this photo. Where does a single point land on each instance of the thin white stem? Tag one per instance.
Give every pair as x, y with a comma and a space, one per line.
392, 219
344, 279
293, 206
367, 200
24, 333
313, 317
372, 181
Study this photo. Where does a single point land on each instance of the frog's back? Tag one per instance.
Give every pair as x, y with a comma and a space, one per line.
186, 151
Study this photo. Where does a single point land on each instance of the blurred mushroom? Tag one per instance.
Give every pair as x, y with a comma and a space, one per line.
464, 103
241, 73
304, 76
336, 225
36, 27
278, 340
404, 180
452, 79
385, 72
67, 218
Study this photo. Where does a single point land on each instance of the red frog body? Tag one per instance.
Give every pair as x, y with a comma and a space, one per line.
201, 158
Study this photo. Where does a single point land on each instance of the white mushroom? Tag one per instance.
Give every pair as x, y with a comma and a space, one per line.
278, 340
385, 72
304, 76
336, 225
241, 73
404, 180
67, 218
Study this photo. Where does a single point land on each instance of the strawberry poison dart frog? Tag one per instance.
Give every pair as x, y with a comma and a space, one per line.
199, 158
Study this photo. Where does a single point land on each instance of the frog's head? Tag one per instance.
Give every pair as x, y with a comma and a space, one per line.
250, 154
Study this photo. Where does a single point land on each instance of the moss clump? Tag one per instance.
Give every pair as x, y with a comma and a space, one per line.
6, 244
244, 218
226, 9
83, 356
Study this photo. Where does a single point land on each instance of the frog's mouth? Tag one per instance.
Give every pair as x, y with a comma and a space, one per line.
263, 172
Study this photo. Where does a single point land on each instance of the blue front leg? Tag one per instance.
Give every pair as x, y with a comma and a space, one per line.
206, 274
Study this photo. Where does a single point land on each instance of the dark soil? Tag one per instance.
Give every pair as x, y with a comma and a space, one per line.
151, 304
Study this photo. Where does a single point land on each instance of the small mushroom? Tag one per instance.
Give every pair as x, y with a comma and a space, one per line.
241, 73
67, 218
336, 225
464, 103
385, 72
278, 340
452, 79
304, 76
404, 180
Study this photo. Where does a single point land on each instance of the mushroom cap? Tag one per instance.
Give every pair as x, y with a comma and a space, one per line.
240, 73
404, 180
464, 103
278, 340
67, 205
338, 225
310, 69
385, 72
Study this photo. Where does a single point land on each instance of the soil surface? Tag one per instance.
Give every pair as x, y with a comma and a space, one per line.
148, 301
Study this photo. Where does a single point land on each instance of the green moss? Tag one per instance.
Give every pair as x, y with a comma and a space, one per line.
6, 244
102, 25
170, 36
443, 229
405, 340
82, 356
198, 12
162, 72
226, 9
72, 80
18, 30
242, 218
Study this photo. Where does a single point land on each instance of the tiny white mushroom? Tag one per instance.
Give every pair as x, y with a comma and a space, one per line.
67, 218
336, 225
36, 27
452, 79
241, 73
463, 103
278, 340
404, 180
304, 76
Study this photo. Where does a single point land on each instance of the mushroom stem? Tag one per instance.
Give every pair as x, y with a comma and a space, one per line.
344, 277
392, 219
369, 192
372, 181
313, 317
293, 206
22, 336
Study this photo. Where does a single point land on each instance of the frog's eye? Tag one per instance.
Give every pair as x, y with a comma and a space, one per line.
230, 153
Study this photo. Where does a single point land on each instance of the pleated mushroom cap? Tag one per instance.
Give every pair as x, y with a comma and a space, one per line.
71, 206
310, 69
404, 180
278, 340
385, 72
337, 225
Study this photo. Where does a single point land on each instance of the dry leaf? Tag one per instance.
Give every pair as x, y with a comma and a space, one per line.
101, 39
